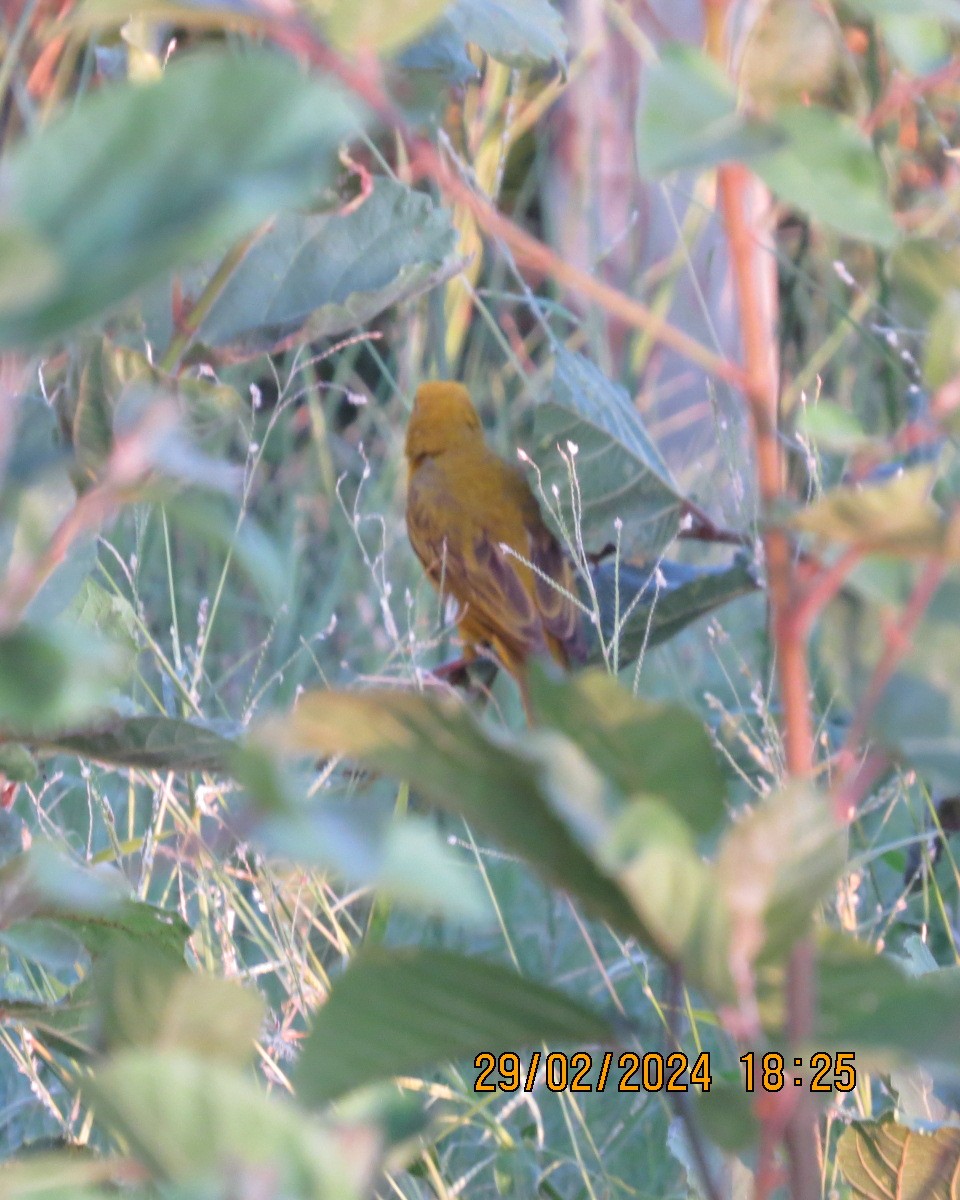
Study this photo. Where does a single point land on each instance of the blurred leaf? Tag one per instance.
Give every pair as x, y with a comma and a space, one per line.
834, 429
920, 42
726, 1113
796, 852
948, 10
620, 473
925, 271
880, 1159
675, 893
897, 516
402, 860
654, 750
116, 192
654, 602
320, 275
188, 1119
108, 612
919, 722
148, 1000
65, 583
862, 998
483, 776
829, 170
379, 25
47, 943
54, 678
67, 1026
393, 1012
30, 272
92, 901
941, 359
17, 763
115, 381
522, 33
57, 1176
442, 50
151, 743
690, 117
728, 1173
794, 53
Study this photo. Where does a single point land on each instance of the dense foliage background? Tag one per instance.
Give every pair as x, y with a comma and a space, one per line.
267, 884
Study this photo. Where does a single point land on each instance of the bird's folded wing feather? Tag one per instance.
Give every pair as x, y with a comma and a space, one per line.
469, 564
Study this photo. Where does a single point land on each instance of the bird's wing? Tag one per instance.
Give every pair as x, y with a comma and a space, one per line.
468, 563
555, 587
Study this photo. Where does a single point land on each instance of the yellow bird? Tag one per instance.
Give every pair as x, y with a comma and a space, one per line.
475, 525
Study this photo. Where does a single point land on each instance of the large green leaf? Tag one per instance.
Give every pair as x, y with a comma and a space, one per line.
380, 25
502, 786
654, 750
862, 1000
188, 1119
828, 169
643, 606
319, 275
55, 677
776, 866
393, 1012
620, 473
812, 157
145, 1000
523, 33
138, 178
690, 117
896, 516
152, 743
880, 1159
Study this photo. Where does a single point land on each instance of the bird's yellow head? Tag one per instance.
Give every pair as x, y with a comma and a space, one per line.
443, 419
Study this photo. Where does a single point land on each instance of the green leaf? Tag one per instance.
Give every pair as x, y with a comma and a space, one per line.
47, 943
655, 750
379, 25
925, 271
690, 117
146, 1000
644, 606
862, 997
796, 852
675, 893
484, 776
880, 1159
188, 1119
941, 359
116, 192
151, 743
53, 678
393, 1012
918, 721
314, 276
921, 43
523, 33
829, 170
620, 473
68, 1026
947, 10
834, 429
896, 516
